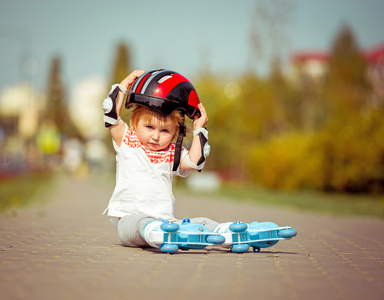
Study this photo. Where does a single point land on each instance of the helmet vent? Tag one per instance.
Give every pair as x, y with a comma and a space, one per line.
162, 79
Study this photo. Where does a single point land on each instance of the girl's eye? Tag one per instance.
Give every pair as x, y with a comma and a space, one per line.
149, 127
165, 130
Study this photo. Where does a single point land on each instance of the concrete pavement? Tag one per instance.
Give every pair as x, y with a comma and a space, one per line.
68, 250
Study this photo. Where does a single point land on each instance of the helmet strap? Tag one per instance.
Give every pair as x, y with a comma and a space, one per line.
179, 143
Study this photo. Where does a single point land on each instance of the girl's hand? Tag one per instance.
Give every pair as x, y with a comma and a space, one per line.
117, 131
200, 122
127, 81
195, 151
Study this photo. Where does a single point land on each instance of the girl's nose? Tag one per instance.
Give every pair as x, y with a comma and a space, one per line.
155, 136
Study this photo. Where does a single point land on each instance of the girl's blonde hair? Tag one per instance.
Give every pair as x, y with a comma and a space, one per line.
140, 112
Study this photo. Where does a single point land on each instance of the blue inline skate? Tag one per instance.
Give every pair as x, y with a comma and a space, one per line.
170, 237
240, 236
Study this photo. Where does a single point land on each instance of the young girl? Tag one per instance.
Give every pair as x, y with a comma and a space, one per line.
147, 158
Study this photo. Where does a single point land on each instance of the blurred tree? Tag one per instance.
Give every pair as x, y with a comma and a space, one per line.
121, 68
267, 32
56, 109
353, 153
256, 110
317, 136
121, 65
320, 135
211, 92
286, 113
347, 66
347, 87
308, 107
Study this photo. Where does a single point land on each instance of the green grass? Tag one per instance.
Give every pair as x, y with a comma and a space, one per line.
325, 203
25, 190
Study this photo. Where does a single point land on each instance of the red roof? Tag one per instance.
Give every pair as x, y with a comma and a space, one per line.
305, 56
375, 53
372, 55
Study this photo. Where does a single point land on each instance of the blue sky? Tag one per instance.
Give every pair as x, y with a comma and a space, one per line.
185, 36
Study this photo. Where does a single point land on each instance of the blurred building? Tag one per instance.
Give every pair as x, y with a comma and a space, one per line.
375, 58
19, 112
29, 141
313, 65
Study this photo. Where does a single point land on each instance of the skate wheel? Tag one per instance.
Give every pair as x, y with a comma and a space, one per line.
240, 248
215, 239
238, 227
287, 233
169, 248
256, 249
169, 227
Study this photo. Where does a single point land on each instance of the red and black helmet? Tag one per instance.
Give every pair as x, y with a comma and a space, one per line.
164, 91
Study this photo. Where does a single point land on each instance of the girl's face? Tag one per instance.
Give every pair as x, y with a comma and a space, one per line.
154, 134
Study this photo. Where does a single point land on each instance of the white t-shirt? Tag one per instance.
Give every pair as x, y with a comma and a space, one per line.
143, 179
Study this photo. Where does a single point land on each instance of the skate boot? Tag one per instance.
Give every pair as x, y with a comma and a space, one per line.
170, 237
240, 236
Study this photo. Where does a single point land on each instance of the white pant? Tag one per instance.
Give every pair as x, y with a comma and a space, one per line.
130, 228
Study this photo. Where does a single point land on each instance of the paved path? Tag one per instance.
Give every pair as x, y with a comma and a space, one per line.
68, 250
